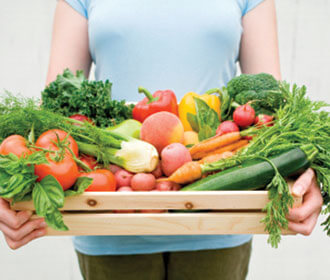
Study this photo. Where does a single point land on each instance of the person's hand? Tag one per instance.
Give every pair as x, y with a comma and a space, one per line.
17, 227
303, 218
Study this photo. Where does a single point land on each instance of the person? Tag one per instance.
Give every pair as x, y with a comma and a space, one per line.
183, 45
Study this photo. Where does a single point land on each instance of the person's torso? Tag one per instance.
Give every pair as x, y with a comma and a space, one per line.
181, 45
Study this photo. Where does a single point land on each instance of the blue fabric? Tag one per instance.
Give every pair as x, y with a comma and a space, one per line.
185, 45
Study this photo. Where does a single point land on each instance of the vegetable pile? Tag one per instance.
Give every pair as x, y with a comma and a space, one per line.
250, 135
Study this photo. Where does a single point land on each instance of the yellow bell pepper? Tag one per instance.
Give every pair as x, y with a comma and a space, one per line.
187, 105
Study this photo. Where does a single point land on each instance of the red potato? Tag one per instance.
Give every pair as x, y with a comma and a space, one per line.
244, 115
175, 187
123, 178
164, 186
143, 182
167, 186
174, 156
125, 189
114, 168
226, 127
158, 171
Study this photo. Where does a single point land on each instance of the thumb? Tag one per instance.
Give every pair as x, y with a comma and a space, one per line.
301, 186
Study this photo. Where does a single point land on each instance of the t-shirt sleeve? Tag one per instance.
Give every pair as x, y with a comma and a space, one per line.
249, 5
81, 6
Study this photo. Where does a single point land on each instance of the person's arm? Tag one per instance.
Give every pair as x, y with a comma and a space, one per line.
259, 53
69, 48
259, 44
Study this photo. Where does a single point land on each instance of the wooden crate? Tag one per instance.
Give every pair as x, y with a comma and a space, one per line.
223, 212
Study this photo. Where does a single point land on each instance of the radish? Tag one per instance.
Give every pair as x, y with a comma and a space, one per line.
244, 115
226, 127
264, 120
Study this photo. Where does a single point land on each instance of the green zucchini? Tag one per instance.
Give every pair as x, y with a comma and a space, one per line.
253, 174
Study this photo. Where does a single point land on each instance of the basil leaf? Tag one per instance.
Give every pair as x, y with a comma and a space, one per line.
55, 220
47, 194
47, 197
192, 119
23, 196
79, 187
17, 174
207, 118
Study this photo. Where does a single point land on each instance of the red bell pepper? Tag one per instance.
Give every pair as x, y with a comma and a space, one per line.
161, 100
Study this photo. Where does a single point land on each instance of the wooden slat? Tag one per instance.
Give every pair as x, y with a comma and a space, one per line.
162, 224
221, 200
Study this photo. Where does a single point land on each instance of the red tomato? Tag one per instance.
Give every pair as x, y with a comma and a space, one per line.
226, 127
65, 171
14, 144
81, 118
89, 161
103, 181
244, 115
48, 139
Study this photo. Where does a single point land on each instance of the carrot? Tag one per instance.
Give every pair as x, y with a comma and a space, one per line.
240, 148
230, 147
215, 157
188, 172
214, 143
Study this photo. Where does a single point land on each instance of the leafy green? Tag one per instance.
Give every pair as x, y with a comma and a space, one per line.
79, 187
192, 119
72, 94
48, 197
17, 174
207, 119
225, 101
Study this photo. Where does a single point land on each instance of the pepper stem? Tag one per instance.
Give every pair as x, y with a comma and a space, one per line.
147, 94
213, 90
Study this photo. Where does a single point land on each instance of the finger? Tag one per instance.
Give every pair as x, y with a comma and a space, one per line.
14, 219
33, 235
26, 229
312, 203
306, 227
300, 187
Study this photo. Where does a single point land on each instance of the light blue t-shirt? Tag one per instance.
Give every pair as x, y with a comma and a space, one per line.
182, 45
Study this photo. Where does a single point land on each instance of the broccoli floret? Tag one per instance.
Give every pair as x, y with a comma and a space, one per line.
262, 89
257, 82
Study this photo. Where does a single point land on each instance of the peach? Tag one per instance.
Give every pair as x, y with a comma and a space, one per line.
161, 129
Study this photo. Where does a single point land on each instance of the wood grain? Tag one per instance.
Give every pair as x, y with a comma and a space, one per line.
219, 200
162, 224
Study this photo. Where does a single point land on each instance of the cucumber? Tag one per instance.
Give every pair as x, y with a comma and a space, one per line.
253, 174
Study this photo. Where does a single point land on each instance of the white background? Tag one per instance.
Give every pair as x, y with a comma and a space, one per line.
304, 37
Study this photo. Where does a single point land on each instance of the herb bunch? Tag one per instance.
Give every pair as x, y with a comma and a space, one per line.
299, 122
72, 94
